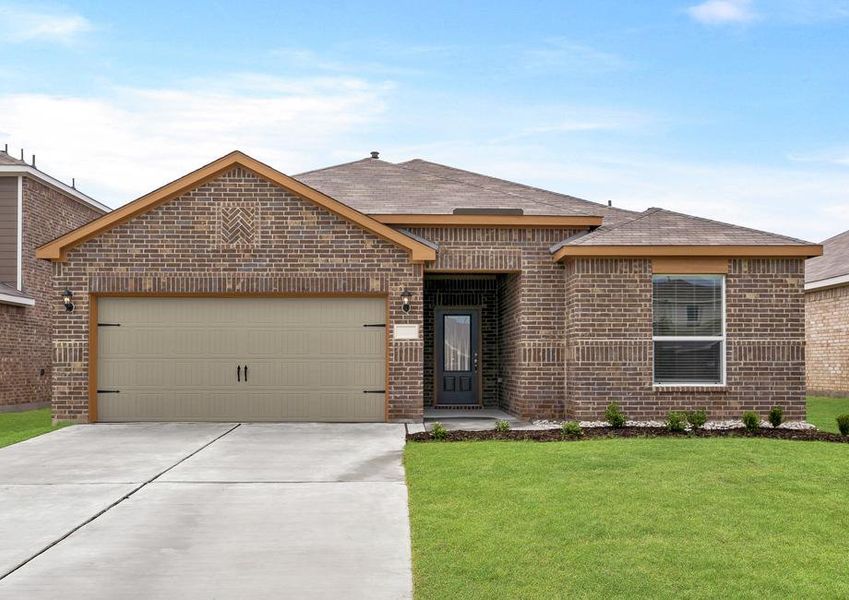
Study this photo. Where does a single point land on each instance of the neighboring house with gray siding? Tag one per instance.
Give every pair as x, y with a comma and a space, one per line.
827, 318
34, 209
371, 291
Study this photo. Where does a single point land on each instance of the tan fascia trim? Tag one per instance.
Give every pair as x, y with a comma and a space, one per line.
58, 248
540, 221
803, 251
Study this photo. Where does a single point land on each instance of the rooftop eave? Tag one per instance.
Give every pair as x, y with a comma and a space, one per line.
824, 284
484, 220
55, 183
789, 251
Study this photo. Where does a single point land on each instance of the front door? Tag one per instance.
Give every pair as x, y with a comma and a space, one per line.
457, 361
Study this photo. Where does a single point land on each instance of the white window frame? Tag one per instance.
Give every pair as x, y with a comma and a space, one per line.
692, 338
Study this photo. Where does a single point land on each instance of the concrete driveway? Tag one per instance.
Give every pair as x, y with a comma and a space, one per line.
206, 511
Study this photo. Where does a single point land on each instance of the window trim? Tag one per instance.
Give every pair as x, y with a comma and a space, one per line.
20, 256
722, 339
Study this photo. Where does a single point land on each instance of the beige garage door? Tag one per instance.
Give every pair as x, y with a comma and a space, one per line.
241, 359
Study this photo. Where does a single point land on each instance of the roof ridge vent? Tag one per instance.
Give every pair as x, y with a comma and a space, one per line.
375, 154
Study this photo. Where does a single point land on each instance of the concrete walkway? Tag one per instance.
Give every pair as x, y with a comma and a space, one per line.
206, 511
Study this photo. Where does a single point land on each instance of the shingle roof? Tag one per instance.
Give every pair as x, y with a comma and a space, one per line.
834, 261
8, 159
657, 226
545, 197
375, 186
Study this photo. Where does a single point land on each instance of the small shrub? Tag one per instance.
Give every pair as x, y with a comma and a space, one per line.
843, 424
676, 421
697, 418
502, 426
751, 420
776, 416
614, 415
438, 431
572, 429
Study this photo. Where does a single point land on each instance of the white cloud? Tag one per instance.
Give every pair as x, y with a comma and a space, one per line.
27, 24
562, 54
719, 12
833, 156
121, 146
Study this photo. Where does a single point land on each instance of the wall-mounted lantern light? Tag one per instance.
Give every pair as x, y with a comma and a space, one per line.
406, 296
66, 300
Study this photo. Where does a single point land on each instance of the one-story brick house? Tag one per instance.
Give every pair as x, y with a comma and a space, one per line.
371, 290
34, 209
827, 318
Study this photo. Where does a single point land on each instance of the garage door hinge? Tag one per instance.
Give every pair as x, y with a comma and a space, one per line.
108, 324
375, 325
108, 391
374, 391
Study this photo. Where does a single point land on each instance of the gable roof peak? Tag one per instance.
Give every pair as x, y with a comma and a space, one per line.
58, 248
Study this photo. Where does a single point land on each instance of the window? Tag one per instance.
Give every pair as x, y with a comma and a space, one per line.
689, 329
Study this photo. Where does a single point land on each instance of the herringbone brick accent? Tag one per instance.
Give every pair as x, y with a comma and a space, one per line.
237, 225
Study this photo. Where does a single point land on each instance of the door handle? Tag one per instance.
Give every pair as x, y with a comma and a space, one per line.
246, 372
475, 362
239, 373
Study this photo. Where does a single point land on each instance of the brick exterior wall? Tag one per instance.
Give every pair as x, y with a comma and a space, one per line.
467, 291
827, 317
559, 340
236, 233
532, 337
25, 332
609, 341
510, 334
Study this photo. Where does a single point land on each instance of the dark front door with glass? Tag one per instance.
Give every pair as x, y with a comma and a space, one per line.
457, 360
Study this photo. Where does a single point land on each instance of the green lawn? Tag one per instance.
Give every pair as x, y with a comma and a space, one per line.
19, 426
647, 518
822, 411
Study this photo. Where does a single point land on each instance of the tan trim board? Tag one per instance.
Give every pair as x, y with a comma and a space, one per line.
689, 265
241, 294
58, 248
541, 221
92, 358
805, 251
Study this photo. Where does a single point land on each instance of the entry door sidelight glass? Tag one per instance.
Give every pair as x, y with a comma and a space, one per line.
457, 343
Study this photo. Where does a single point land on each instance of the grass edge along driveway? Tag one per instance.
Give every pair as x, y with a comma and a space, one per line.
649, 518
19, 426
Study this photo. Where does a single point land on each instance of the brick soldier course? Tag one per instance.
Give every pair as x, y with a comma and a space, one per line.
567, 322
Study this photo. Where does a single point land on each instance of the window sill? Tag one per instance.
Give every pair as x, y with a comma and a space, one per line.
689, 387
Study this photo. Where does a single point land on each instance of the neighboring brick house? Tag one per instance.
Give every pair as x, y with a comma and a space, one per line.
827, 318
370, 290
34, 209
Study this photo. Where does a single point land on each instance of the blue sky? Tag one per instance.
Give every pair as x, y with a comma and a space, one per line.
731, 109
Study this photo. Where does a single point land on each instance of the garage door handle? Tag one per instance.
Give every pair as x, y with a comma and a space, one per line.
239, 373
246, 372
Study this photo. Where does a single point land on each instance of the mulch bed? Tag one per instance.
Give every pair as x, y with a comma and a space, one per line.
556, 435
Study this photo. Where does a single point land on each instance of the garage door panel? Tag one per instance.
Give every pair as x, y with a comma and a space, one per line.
176, 358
